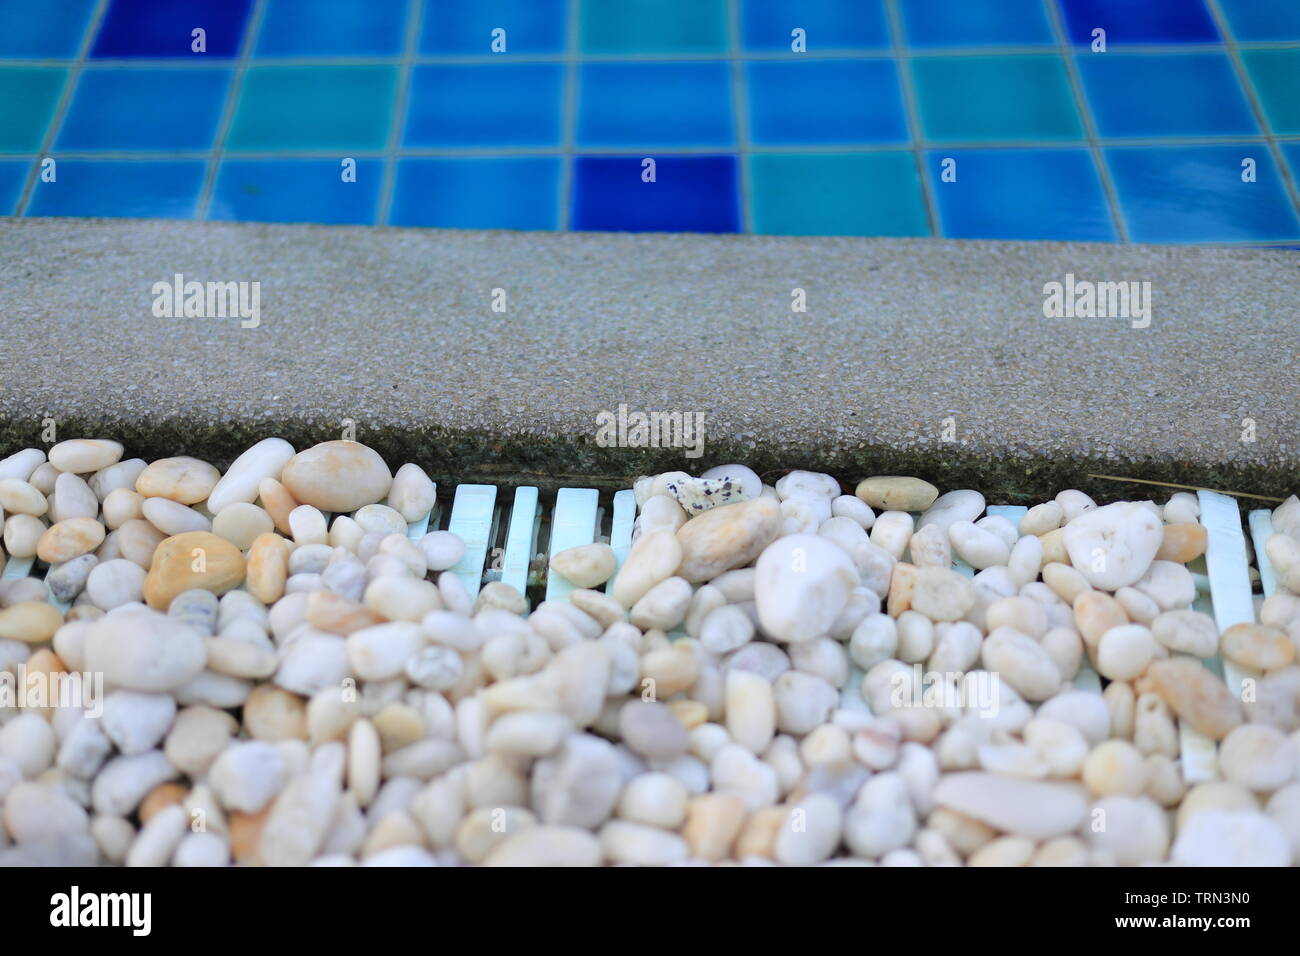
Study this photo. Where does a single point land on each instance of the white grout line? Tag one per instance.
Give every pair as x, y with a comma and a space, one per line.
251, 31
1084, 109
839, 53
912, 110
65, 100
740, 116
410, 43
570, 115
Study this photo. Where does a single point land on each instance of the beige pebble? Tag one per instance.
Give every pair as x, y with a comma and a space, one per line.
82, 455
653, 558
31, 622
1196, 695
267, 568
185, 480
670, 670
726, 537
585, 566
1095, 613
18, 497
1041, 519
1124, 652
337, 476
896, 493
941, 594
1004, 851
241, 523
278, 503
122, 505
1257, 757
1065, 581
22, 535
1115, 767
1257, 646
547, 846
197, 559
172, 517
1182, 543
138, 540
69, 539
272, 714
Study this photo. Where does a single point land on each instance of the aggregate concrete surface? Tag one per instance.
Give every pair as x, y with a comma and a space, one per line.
905, 342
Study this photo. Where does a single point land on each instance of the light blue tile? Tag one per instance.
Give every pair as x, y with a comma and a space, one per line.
1195, 94
332, 28
496, 104
655, 104
296, 190
50, 29
477, 193
808, 102
852, 194
1020, 194
143, 109
766, 25
1196, 194
116, 188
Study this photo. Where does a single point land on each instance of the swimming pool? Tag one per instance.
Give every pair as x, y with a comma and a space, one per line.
952, 118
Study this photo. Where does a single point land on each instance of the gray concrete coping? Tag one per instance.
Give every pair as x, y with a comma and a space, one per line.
920, 356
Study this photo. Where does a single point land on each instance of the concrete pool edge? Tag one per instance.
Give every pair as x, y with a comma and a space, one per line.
904, 343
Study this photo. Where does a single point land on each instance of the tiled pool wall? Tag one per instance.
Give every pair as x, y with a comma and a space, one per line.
957, 118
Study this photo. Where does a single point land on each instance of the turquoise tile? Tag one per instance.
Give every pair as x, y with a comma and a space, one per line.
1276, 77
28, 98
292, 108
654, 26
871, 194
995, 98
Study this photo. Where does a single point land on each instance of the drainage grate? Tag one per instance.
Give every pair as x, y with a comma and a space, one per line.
502, 544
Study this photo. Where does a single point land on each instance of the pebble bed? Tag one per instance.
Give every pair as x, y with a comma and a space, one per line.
775, 675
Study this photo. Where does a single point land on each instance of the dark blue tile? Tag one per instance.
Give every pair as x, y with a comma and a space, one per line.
308, 190
655, 104
689, 194
1263, 19
162, 28
1195, 194
465, 26
116, 108
1020, 194
941, 23
477, 193
49, 29
496, 104
825, 101
106, 187
13, 175
1139, 21
1193, 94
827, 24
332, 28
